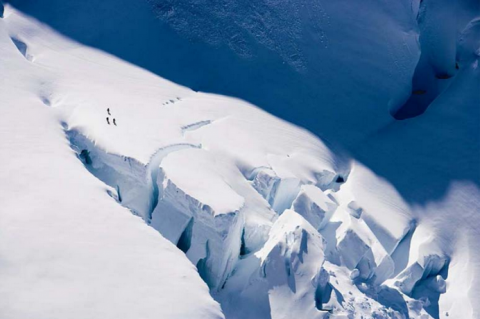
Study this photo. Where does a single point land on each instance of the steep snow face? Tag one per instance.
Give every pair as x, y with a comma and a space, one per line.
68, 250
277, 224
291, 262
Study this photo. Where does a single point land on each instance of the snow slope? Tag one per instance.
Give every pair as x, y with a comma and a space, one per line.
68, 250
277, 223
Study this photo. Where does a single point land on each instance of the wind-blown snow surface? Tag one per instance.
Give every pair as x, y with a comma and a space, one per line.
277, 224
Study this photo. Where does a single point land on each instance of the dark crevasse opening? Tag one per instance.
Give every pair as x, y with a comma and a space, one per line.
243, 247
202, 267
119, 194
322, 296
185, 240
85, 157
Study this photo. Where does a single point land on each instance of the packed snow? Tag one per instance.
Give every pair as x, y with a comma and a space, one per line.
126, 195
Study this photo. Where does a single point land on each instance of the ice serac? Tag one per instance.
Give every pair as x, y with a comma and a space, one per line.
207, 199
281, 193
291, 262
374, 195
359, 249
428, 267
265, 182
358, 237
313, 205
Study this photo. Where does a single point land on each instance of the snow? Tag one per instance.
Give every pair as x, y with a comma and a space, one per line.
193, 195
68, 249
314, 205
199, 176
290, 260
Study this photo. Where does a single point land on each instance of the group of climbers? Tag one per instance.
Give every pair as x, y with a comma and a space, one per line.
108, 119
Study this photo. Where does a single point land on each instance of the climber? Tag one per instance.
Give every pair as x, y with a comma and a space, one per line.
108, 111
114, 122
108, 121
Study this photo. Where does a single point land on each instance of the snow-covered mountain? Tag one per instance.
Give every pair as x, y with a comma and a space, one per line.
333, 170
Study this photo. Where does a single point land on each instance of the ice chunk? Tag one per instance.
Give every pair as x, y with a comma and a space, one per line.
355, 210
325, 179
351, 248
437, 283
285, 193
359, 248
429, 265
313, 205
384, 212
196, 227
354, 274
291, 262
265, 182
199, 187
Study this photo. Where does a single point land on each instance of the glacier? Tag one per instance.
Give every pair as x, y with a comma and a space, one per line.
223, 159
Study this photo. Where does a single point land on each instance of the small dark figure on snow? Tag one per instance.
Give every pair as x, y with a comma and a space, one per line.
108, 111
108, 121
115, 123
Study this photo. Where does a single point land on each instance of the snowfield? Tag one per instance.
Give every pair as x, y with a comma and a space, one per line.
126, 195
